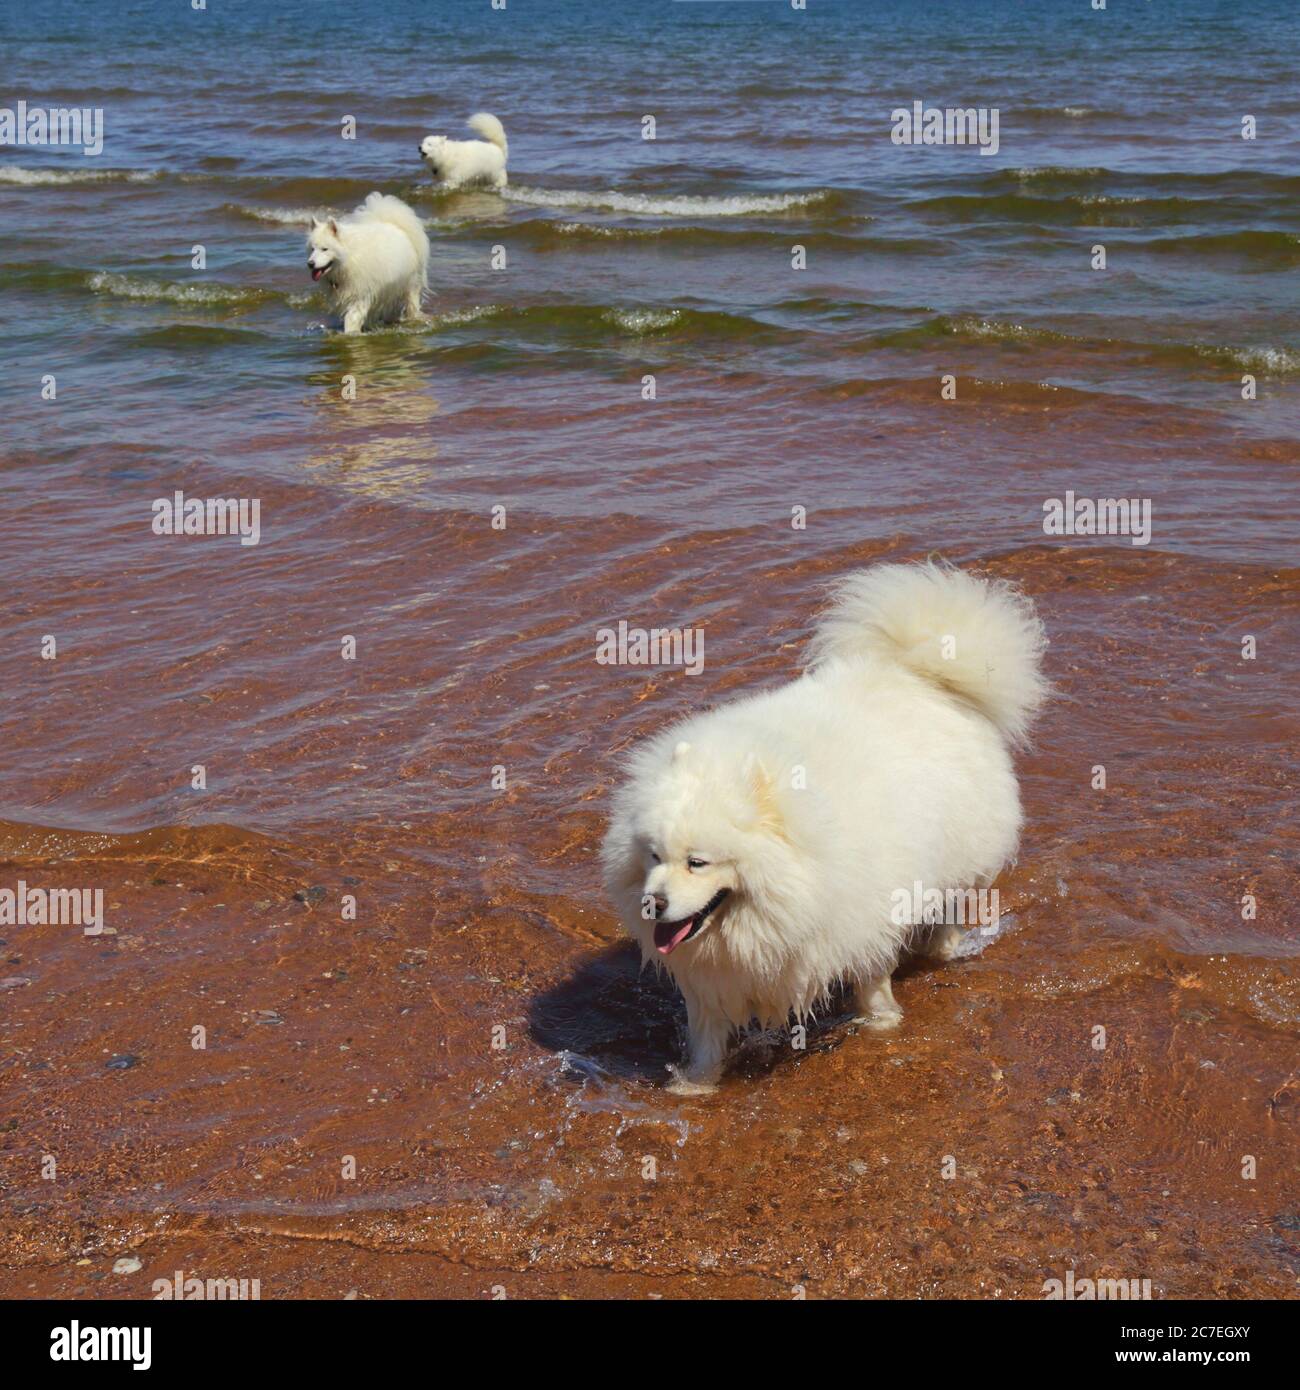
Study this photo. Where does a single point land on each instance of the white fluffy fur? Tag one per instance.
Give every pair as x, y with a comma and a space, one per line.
460, 163
907, 778
374, 263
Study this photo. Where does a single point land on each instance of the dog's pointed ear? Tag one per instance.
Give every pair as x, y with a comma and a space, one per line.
757, 777
334, 227
762, 791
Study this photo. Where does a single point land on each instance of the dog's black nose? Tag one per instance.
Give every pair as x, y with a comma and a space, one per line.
661, 904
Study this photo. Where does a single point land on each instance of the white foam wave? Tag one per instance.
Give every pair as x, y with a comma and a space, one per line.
1272, 360
284, 217
453, 318
133, 287
594, 229
649, 205
641, 320
33, 178
1055, 172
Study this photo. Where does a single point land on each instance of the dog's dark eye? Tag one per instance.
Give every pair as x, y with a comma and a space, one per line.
694, 863
655, 857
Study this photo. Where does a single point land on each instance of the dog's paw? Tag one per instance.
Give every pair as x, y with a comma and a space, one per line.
880, 1023
942, 942
682, 1085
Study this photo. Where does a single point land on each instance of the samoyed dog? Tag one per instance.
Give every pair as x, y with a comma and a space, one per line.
461, 163
758, 851
374, 263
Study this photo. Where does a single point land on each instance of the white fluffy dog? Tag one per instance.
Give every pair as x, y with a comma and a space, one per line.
757, 850
460, 163
374, 263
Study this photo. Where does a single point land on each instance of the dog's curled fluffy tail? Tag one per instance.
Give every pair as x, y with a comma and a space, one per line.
490, 129
977, 638
386, 208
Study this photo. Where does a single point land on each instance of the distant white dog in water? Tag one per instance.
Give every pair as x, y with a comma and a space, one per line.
460, 163
374, 263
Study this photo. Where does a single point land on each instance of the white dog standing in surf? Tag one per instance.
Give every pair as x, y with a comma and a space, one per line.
374, 263
461, 163
755, 851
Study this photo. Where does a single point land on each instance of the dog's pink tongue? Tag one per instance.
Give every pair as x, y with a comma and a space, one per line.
667, 937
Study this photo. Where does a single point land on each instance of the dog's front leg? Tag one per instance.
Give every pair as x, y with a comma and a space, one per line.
706, 1052
355, 317
877, 1008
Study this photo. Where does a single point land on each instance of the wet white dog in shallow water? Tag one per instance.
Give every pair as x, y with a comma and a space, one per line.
374, 263
460, 163
755, 851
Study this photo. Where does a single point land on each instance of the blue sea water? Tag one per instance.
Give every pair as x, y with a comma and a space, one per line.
223, 128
